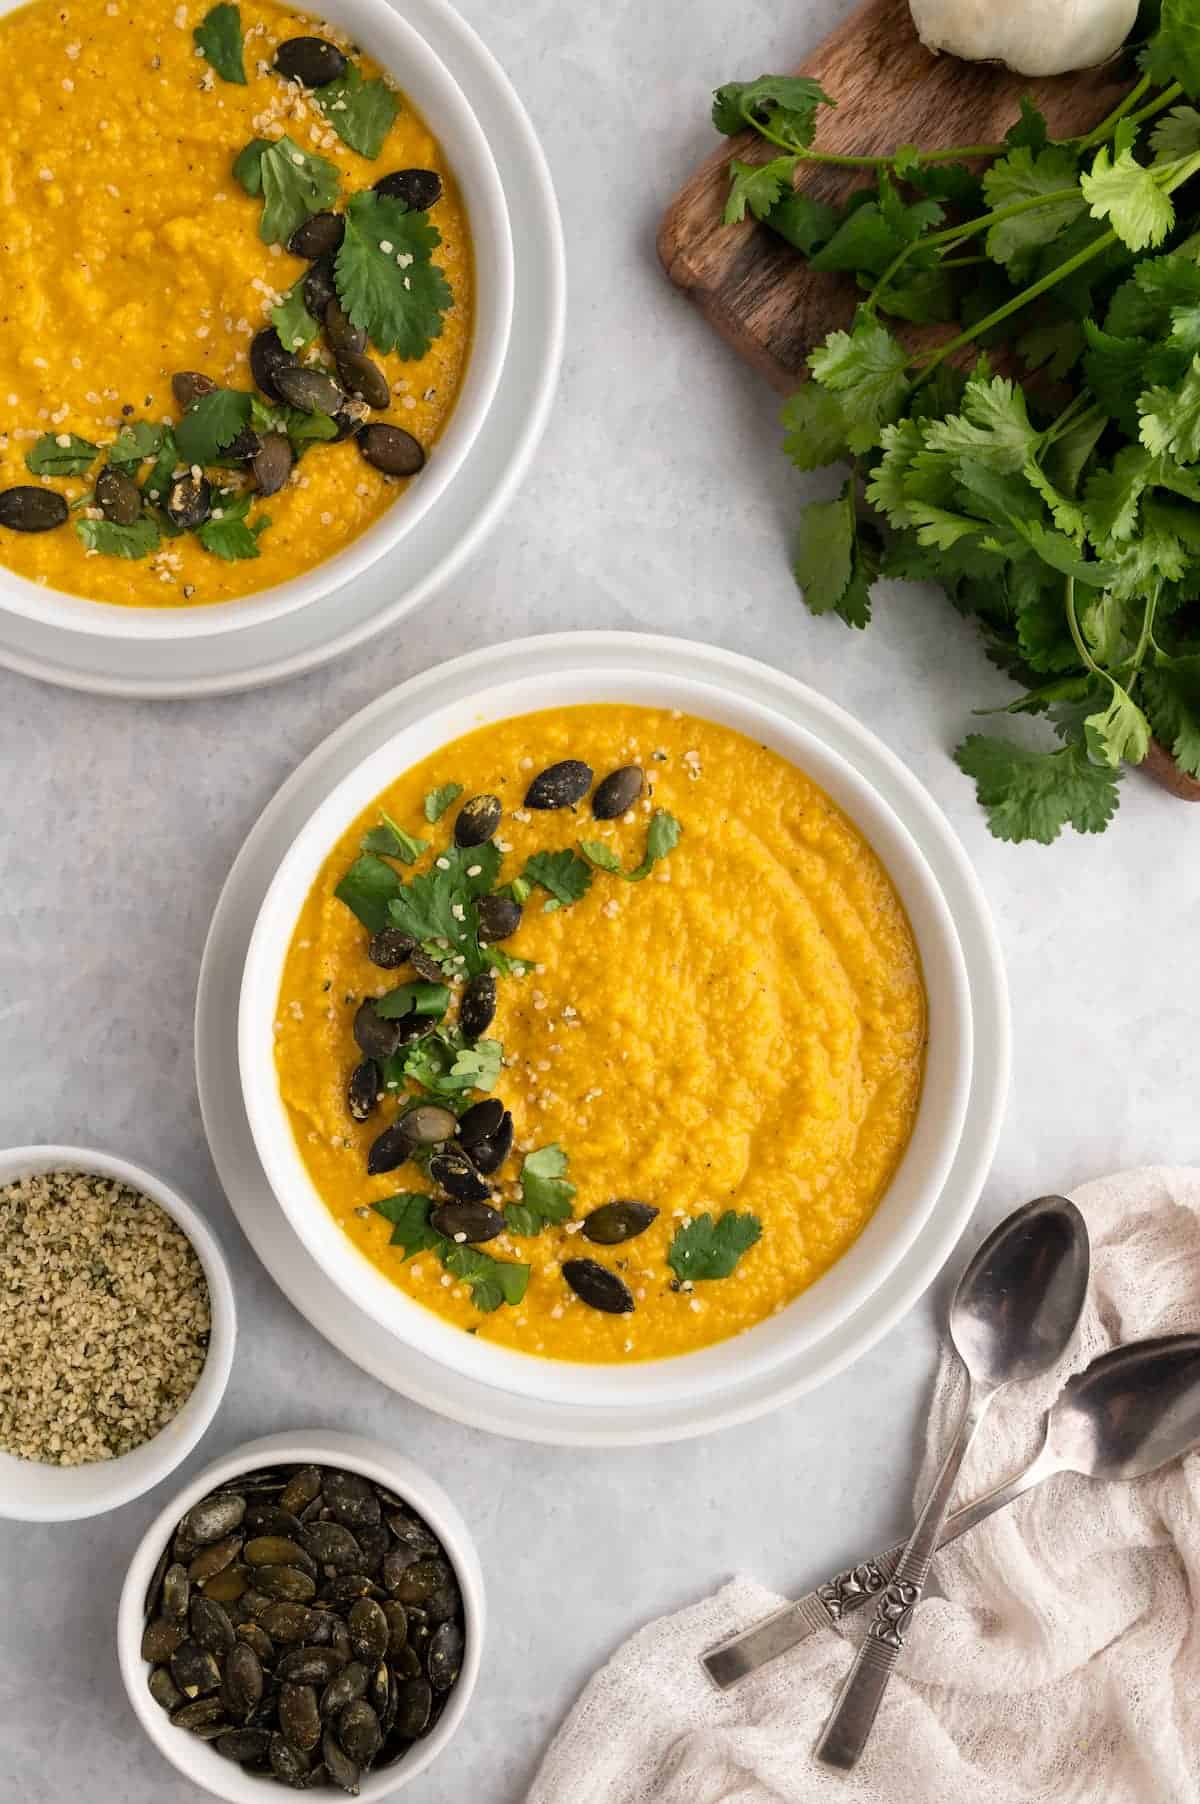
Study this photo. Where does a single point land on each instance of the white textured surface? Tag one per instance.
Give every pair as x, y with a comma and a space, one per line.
658, 500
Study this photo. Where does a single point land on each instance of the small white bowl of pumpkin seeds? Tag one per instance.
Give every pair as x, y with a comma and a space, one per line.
117, 1328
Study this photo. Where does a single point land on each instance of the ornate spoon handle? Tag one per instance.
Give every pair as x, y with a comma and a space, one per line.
848, 1729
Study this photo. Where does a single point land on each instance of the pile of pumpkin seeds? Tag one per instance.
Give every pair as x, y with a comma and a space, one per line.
305, 1622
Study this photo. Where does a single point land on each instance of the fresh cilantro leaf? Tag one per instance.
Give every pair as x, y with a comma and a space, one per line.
1112, 495
292, 320
662, 837
293, 183
787, 103
1177, 134
1171, 690
834, 565
1120, 733
219, 39
439, 904
871, 236
445, 1065
398, 295
1033, 795
1170, 418
438, 800
802, 221
1055, 348
367, 889
300, 429
923, 299
227, 533
867, 369
1028, 175
1126, 193
391, 841
1030, 130
993, 428
361, 112
421, 998
138, 540
163, 468
409, 1212
758, 186
814, 427
50, 457
492, 1281
564, 874
135, 443
547, 1193
210, 423
1174, 53
1069, 454
1143, 307
704, 1249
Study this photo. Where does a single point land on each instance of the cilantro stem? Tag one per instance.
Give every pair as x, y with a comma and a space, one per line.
955, 234
1085, 656
849, 162
1108, 125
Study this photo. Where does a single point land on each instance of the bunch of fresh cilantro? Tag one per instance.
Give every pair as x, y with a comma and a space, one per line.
1060, 508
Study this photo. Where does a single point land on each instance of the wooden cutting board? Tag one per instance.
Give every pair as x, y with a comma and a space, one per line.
758, 292
755, 289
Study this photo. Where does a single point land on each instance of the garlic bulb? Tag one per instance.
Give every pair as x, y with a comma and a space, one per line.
1034, 37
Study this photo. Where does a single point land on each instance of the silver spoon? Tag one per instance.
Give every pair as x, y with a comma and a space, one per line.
1013, 1315
1125, 1415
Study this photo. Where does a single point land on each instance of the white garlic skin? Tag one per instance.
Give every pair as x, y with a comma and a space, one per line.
1033, 37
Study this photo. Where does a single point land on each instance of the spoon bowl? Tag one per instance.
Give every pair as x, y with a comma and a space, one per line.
1019, 1301
1130, 1412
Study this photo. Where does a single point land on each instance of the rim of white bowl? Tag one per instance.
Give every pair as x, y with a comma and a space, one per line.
401, 50
320, 1447
902, 1210
32, 1491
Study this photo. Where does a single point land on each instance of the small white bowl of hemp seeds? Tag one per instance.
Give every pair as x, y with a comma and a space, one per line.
117, 1326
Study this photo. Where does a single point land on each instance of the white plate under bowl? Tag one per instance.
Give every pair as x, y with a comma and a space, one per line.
456, 523
401, 50
357, 1334
910, 1196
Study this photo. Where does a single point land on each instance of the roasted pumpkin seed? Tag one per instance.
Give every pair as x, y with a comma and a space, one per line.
301, 1489
428, 1125
350, 418
351, 1499
285, 1621
477, 820
160, 1638
243, 1681
358, 1732
560, 785
272, 463
391, 449
214, 1558
268, 357
364, 1089
477, 1010
311, 61
26, 509
397, 1621
618, 792
444, 1662
343, 1771
276, 1550
227, 1586
614, 1222
118, 496
499, 917
163, 1689
388, 1150
360, 376
290, 1764
467, 1222
309, 390
194, 1669
243, 1745
419, 189
389, 948
368, 1631
211, 1628
344, 1687
376, 1036
289, 1583
480, 1122
201, 1713
189, 385
298, 1716
415, 1701
189, 501
320, 235
597, 1286
489, 1155
340, 329
256, 1637
332, 1546
452, 1169
309, 1665
176, 1590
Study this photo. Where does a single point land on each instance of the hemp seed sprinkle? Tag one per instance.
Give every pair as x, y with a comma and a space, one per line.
104, 1318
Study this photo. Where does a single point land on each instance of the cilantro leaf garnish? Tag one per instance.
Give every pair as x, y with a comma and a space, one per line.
661, 837
787, 104
439, 905
421, 998
136, 442
446, 1065
438, 800
391, 841
1126, 193
158, 480
292, 321
704, 1248
546, 1191
1034, 795
50, 457
367, 889
759, 186
361, 112
210, 423
837, 559
135, 541
492, 1281
219, 38
564, 874
293, 183
300, 429
409, 1212
227, 533
397, 294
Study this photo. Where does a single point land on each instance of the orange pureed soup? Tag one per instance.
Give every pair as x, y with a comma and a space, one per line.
149, 203
716, 1020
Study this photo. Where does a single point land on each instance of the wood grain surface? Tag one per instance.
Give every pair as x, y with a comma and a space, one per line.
756, 290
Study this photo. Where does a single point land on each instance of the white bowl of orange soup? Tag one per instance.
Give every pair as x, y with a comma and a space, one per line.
136, 253
765, 1043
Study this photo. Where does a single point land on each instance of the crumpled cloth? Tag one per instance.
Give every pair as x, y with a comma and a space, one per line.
1062, 1664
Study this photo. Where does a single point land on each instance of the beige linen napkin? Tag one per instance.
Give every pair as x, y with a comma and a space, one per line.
1063, 1663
